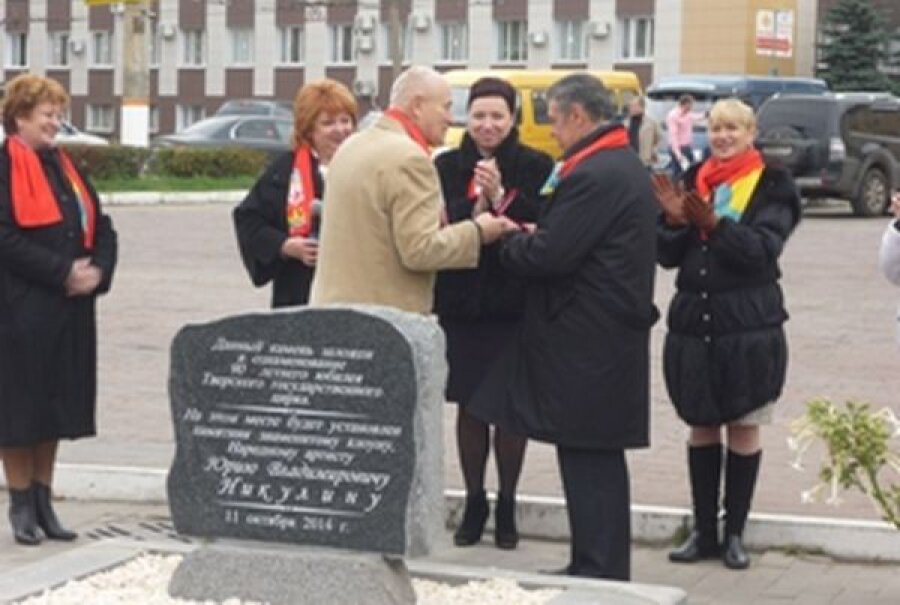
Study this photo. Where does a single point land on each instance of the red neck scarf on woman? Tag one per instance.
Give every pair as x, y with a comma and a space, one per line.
33, 201
714, 171
414, 132
301, 194
611, 139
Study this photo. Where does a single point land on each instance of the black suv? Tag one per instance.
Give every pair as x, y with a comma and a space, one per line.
844, 145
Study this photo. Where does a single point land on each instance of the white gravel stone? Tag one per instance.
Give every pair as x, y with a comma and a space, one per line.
144, 580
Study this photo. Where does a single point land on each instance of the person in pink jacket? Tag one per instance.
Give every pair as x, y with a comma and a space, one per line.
680, 131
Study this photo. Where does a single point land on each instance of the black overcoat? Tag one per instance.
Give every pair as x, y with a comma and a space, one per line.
488, 292
725, 353
48, 341
260, 222
578, 373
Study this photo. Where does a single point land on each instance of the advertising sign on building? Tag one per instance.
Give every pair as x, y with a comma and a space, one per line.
775, 33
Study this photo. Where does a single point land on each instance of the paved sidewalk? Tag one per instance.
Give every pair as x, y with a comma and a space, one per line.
774, 578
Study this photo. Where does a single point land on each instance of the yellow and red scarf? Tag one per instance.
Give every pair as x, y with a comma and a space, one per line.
301, 194
731, 182
614, 138
33, 201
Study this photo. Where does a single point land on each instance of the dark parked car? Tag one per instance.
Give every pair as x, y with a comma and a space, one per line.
256, 107
844, 145
269, 134
706, 89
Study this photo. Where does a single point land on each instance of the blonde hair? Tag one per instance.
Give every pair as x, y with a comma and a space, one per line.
732, 111
313, 99
25, 92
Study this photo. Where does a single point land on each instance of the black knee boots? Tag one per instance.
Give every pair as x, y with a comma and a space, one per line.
705, 470
22, 517
740, 480
474, 517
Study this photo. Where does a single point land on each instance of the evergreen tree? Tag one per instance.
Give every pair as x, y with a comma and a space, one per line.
855, 47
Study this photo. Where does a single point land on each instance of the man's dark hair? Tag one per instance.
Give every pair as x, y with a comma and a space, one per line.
585, 90
685, 100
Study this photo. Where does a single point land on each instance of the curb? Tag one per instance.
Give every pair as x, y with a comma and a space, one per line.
544, 517
152, 198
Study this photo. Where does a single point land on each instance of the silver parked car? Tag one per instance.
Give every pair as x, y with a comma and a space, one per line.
266, 133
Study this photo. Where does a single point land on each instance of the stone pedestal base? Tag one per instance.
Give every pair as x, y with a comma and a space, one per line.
291, 576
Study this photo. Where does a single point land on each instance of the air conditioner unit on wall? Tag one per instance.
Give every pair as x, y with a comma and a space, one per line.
365, 22
538, 38
76, 46
364, 88
599, 29
421, 22
365, 44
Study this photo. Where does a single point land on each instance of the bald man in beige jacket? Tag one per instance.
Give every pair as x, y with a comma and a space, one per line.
382, 238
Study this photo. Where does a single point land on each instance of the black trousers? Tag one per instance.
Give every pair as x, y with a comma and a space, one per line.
596, 486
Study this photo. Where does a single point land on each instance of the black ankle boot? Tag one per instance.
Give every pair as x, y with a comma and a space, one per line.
46, 518
506, 536
474, 517
22, 517
740, 481
705, 470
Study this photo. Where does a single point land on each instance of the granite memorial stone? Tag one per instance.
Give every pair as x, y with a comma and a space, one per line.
314, 426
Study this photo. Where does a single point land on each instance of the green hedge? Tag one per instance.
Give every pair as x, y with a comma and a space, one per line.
106, 162
208, 162
124, 162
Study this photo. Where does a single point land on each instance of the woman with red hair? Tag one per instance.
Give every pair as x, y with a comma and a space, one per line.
57, 254
277, 223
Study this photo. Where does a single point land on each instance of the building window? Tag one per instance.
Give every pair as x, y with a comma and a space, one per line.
637, 38
341, 44
405, 44
153, 119
17, 45
241, 46
188, 114
570, 41
102, 48
58, 49
292, 45
100, 118
512, 42
454, 42
193, 49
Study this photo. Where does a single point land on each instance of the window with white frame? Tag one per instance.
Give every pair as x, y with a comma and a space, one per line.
512, 42
100, 118
454, 42
153, 119
102, 48
16, 49
193, 47
571, 44
292, 44
405, 43
342, 43
637, 36
188, 114
241, 45
153, 43
58, 49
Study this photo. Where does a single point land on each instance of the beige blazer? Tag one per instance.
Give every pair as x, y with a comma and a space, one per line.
381, 239
649, 138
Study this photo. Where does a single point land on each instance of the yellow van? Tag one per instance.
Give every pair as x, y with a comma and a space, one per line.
531, 86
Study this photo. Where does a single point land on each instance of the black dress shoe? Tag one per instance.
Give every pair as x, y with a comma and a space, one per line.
506, 535
22, 517
696, 548
46, 518
474, 517
734, 555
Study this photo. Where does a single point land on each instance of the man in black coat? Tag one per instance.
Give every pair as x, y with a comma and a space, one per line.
578, 374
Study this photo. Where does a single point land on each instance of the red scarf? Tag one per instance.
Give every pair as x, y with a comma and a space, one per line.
612, 139
301, 194
414, 132
33, 201
714, 171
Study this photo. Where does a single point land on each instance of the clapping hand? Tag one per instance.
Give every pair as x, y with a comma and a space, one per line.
699, 213
671, 198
